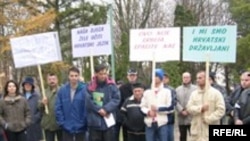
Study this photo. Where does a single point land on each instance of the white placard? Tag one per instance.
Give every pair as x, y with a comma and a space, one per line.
36, 49
91, 41
165, 42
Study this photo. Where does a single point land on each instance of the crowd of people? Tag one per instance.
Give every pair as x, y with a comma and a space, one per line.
102, 109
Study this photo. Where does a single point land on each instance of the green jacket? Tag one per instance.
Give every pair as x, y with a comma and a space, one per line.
49, 120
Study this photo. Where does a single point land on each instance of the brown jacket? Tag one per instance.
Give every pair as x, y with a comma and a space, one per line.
15, 114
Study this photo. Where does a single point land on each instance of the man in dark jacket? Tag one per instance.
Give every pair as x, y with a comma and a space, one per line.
242, 106
133, 118
70, 108
234, 97
126, 92
102, 103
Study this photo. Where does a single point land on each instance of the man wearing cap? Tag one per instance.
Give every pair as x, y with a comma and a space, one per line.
156, 104
34, 131
131, 111
125, 91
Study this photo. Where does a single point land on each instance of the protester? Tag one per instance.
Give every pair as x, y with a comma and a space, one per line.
102, 103
125, 91
242, 106
235, 95
48, 123
133, 116
206, 107
183, 93
15, 114
156, 104
34, 131
70, 107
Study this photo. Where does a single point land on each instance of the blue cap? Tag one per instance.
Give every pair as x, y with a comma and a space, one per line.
159, 73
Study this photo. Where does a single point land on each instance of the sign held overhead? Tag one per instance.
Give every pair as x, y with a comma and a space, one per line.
217, 41
91, 41
36, 49
163, 42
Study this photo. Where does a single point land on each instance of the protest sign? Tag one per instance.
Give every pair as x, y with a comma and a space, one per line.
219, 42
163, 42
36, 49
91, 41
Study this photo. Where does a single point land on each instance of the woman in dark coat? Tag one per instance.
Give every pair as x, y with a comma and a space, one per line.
34, 131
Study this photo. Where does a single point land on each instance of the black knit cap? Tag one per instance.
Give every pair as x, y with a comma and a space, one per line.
138, 85
100, 67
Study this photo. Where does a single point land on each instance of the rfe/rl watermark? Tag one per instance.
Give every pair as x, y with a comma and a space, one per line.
229, 132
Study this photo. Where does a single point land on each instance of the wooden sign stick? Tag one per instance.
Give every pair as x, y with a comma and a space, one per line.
42, 87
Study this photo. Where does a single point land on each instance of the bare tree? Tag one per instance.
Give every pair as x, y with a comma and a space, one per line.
133, 14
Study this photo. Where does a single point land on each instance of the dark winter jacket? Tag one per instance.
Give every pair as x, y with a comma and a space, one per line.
71, 116
101, 95
242, 107
34, 131
132, 116
232, 99
230, 103
126, 91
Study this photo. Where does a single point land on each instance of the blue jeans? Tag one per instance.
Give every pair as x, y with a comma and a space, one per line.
155, 133
170, 132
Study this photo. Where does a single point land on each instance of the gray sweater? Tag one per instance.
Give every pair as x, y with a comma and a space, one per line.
183, 93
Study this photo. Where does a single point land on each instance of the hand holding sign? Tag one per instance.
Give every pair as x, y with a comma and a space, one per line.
36, 50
